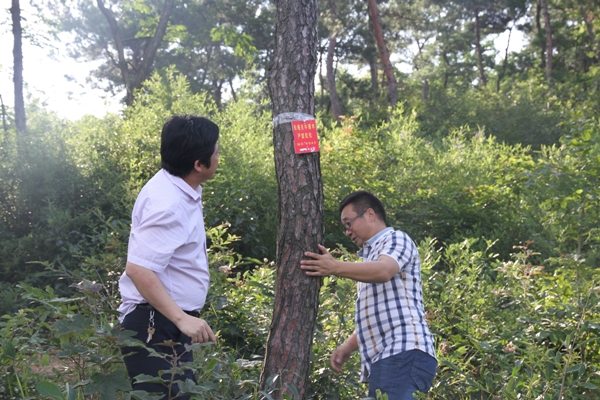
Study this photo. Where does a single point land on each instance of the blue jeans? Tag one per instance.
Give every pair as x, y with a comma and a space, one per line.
401, 375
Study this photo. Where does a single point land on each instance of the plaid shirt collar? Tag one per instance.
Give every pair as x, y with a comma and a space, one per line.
368, 245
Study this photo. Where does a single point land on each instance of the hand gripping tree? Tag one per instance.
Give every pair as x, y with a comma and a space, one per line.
291, 84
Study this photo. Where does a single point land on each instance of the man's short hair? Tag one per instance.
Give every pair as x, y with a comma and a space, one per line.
186, 139
362, 200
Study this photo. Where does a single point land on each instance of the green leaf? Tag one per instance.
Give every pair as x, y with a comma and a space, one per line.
50, 389
485, 346
293, 389
108, 384
143, 378
9, 349
72, 393
143, 395
577, 368
267, 395
78, 324
586, 135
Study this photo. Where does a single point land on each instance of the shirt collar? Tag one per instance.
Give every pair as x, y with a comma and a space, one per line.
379, 234
371, 242
196, 194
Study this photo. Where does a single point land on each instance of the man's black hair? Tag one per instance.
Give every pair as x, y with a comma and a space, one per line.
362, 200
185, 139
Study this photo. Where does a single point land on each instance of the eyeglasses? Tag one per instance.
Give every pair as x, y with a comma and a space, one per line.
348, 224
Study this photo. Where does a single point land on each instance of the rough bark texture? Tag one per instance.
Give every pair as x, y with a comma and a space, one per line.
20, 121
336, 108
291, 84
4, 125
482, 80
392, 87
504, 63
549, 46
425, 84
139, 71
374, 79
540, 34
588, 19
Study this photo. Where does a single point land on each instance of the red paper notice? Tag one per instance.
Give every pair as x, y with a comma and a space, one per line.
305, 136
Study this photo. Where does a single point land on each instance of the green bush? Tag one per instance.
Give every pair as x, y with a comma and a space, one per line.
514, 322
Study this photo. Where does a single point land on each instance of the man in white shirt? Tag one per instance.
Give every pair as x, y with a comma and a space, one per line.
396, 347
166, 278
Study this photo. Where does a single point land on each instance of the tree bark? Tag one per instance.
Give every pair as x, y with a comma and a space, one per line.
20, 120
374, 79
446, 74
540, 36
291, 86
122, 61
425, 83
482, 80
4, 125
588, 20
134, 78
392, 87
549, 46
504, 63
336, 108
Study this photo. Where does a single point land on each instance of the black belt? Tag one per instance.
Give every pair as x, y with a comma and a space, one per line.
147, 306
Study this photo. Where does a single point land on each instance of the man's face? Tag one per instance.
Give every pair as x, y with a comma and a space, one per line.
355, 225
214, 163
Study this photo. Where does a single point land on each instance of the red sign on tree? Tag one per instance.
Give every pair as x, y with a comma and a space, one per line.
305, 136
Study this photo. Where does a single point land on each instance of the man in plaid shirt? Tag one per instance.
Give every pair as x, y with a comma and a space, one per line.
396, 347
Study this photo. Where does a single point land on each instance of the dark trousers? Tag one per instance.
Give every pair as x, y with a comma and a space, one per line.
139, 362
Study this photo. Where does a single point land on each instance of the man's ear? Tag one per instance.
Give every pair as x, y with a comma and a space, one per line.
371, 214
198, 167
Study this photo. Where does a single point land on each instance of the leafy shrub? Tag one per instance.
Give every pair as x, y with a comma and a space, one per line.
505, 326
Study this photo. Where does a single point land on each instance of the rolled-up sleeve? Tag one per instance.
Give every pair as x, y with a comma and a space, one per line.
154, 239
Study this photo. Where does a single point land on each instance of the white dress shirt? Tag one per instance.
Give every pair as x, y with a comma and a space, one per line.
168, 237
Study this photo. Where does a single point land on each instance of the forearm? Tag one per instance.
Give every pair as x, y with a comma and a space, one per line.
153, 291
343, 352
368, 272
351, 343
379, 271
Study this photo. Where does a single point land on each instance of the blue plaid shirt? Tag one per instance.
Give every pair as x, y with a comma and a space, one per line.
390, 317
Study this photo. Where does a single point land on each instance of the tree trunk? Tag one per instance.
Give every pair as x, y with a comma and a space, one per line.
374, 79
291, 85
539, 34
233, 94
446, 74
336, 108
504, 63
588, 20
425, 83
425, 90
122, 61
482, 80
134, 78
20, 120
4, 125
321, 79
392, 87
549, 46
152, 46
